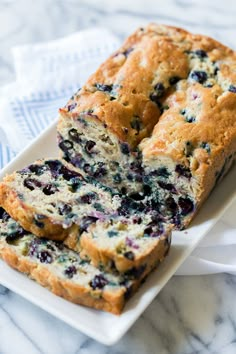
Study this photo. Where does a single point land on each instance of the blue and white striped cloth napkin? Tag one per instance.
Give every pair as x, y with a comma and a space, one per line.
47, 74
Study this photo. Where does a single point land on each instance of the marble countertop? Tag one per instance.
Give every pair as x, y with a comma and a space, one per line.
191, 315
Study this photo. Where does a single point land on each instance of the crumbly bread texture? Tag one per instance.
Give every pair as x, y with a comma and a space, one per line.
51, 200
158, 117
64, 272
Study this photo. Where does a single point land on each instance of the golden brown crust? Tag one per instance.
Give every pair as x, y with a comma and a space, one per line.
110, 301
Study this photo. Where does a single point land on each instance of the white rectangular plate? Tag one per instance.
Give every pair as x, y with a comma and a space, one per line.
104, 327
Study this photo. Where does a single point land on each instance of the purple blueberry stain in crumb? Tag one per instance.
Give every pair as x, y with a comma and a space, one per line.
131, 243
160, 172
75, 135
137, 220
98, 282
70, 271
186, 205
71, 106
183, 171
32, 183
89, 146
198, 76
232, 88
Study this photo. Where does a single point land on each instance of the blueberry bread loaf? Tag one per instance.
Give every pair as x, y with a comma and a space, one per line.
51, 200
63, 271
158, 118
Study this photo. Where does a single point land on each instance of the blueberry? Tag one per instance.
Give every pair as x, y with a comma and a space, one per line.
232, 88
86, 221
160, 172
159, 89
125, 130
173, 80
69, 174
50, 189
100, 170
136, 124
37, 169
135, 273
186, 205
168, 186
87, 168
71, 106
183, 171
137, 220
136, 196
70, 271
199, 76
64, 209
124, 147
74, 135
129, 255
32, 183
54, 166
171, 205
89, 146
98, 282
188, 148
74, 184
66, 145
3, 215
201, 53
88, 198
104, 88
127, 52
206, 147
190, 119
117, 178
44, 257
15, 236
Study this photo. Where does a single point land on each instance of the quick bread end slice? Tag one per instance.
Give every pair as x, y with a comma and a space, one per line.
49, 199
128, 245
63, 272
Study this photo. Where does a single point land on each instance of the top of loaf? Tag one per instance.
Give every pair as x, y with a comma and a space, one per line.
174, 88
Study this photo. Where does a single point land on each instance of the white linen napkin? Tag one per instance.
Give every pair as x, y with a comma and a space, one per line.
47, 74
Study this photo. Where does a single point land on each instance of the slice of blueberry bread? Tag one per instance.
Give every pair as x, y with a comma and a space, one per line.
50, 199
63, 271
124, 244
158, 118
